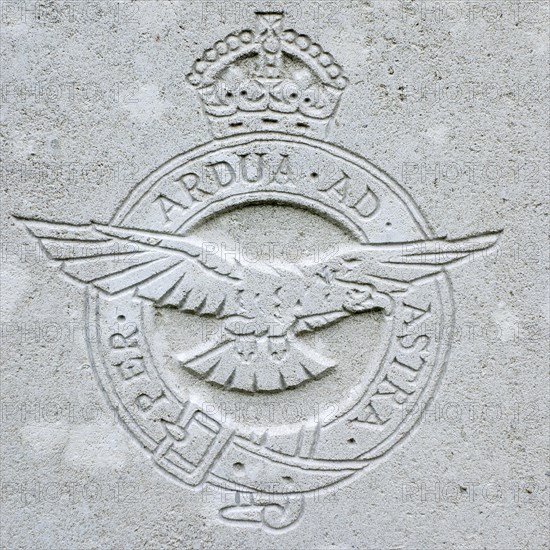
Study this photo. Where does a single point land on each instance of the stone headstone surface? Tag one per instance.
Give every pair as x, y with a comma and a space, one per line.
274, 274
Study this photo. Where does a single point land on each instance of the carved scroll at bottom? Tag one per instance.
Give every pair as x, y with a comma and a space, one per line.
267, 511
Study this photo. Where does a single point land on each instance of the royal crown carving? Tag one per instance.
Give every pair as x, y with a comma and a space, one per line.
268, 79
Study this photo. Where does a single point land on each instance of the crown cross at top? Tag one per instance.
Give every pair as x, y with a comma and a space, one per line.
269, 79
269, 64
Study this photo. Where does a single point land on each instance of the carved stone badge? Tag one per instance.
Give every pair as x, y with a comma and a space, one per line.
180, 328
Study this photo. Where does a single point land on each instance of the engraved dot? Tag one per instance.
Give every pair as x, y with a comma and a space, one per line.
314, 175
211, 55
287, 478
351, 440
388, 224
238, 467
303, 42
333, 71
121, 318
315, 50
246, 37
307, 100
289, 36
232, 42
243, 93
293, 95
325, 59
229, 94
221, 47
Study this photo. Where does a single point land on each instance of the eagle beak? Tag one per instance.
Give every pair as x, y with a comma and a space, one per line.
385, 302
368, 300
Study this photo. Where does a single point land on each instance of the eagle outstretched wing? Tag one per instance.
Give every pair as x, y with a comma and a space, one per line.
169, 270
394, 266
371, 273
179, 272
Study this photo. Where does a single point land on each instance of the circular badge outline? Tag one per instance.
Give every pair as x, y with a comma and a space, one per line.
218, 145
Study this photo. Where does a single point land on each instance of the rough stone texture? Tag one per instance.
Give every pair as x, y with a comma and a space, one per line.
448, 99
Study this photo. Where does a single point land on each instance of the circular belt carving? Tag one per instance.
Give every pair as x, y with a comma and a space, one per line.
196, 446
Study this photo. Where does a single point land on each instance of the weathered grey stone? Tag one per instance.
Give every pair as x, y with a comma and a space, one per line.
222, 323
